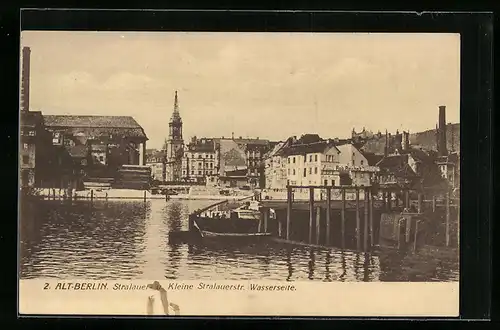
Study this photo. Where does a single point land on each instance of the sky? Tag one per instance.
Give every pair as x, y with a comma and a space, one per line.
266, 85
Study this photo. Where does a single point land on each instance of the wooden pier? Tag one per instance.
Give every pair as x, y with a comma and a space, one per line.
350, 224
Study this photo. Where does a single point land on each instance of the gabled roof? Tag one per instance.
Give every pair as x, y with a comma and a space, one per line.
302, 149
398, 165
372, 158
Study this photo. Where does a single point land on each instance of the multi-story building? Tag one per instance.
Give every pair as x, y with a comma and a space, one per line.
200, 161
356, 164
174, 145
312, 161
33, 149
93, 147
275, 166
156, 160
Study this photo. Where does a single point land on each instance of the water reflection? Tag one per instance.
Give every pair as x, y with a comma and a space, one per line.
127, 240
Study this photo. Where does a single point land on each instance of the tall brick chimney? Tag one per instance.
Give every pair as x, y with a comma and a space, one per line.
442, 151
25, 79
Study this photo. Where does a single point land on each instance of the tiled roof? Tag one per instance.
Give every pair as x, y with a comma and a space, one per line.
206, 145
396, 164
300, 149
91, 121
102, 132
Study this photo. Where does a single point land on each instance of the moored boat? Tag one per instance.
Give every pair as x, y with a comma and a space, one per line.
241, 222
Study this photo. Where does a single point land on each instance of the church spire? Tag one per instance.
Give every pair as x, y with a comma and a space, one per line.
176, 117
176, 103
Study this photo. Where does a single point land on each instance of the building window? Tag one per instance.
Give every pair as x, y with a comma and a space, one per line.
183, 172
25, 146
293, 171
294, 160
315, 170
288, 160
199, 172
26, 159
310, 170
305, 172
101, 158
192, 172
326, 182
315, 158
333, 183
361, 162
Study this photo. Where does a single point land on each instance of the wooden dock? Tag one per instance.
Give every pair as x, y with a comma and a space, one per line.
350, 224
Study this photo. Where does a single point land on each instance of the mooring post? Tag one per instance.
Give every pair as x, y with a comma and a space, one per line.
389, 200
91, 195
342, 217
407, 199
371, 218
328, 209
311, 212
266, 218
433, 203
420, 197
415, 236
448, 218
144, 196
318, 223
288, 211
358, 222
53, 194
384, 200
365, 233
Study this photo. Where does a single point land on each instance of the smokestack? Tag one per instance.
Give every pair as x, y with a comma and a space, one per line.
25, 79
442, 131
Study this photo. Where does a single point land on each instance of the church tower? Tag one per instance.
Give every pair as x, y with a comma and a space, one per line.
175, 143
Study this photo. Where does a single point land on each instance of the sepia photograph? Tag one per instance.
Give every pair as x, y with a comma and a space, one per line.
213, 161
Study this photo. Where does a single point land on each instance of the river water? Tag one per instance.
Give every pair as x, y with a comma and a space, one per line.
129, 240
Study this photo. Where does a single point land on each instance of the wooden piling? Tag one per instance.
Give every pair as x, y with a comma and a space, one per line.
433, 203
144, 196
365, 232
328, 210
448, 218
415, 236
288, 211
318, 223
266, 219
371, 219
389, 200
311, 212
419, 207
342, 218
91, 195
358, 222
